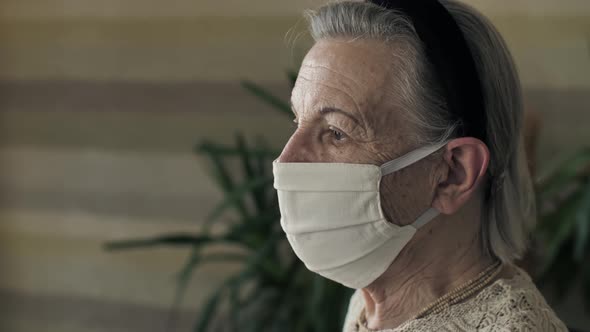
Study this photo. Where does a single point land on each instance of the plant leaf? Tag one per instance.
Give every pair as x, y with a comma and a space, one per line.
563, 282
318, 294
250, 173
228, 257
227, 184
559, 177
234, 306
586, 285
183, 279
244, 156
208, 311
268, 98
583, 225
210, 308
236, 196
564, 220
260, 262
179, 240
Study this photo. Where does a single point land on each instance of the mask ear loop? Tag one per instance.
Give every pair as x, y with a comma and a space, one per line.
407, 160
426, 217
410, 158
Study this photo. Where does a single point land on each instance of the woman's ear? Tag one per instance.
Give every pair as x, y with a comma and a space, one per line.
462, 171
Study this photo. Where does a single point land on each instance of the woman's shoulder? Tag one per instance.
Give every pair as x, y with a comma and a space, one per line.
515, 304
509, 304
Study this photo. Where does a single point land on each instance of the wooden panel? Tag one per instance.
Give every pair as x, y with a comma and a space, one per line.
197, 8
212, 48
551, 52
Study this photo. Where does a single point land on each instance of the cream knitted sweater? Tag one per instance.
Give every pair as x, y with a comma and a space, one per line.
513, 304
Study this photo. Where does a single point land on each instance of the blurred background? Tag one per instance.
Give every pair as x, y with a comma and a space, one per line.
102, 103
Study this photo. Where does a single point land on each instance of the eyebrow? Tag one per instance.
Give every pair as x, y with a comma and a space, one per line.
326, 110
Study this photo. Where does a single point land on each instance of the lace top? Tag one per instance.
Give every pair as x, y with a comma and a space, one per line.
513, 304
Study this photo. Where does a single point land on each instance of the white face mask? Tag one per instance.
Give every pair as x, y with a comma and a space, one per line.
331, 213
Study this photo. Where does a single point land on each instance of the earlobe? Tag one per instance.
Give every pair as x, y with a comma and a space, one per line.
462, 172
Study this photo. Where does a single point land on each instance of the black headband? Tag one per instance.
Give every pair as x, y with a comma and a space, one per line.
447, 50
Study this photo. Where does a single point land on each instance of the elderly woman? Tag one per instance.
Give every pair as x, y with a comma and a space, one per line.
405, 178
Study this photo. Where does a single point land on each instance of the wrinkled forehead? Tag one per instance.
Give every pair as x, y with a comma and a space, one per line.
352, 71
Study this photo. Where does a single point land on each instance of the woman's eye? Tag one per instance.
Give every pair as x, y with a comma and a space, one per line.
338, 135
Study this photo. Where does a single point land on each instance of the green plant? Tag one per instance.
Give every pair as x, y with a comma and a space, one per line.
273, 291
563, 196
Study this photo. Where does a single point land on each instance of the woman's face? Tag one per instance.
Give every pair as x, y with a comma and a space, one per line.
344, 102
341, 106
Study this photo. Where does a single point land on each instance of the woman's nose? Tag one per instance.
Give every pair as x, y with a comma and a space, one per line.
297, 150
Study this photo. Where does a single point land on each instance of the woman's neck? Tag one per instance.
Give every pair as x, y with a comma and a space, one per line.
437, 260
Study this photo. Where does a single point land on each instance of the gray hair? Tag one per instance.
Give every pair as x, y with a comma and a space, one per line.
508, 213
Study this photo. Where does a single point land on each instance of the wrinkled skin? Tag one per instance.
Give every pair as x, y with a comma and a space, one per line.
346, 111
